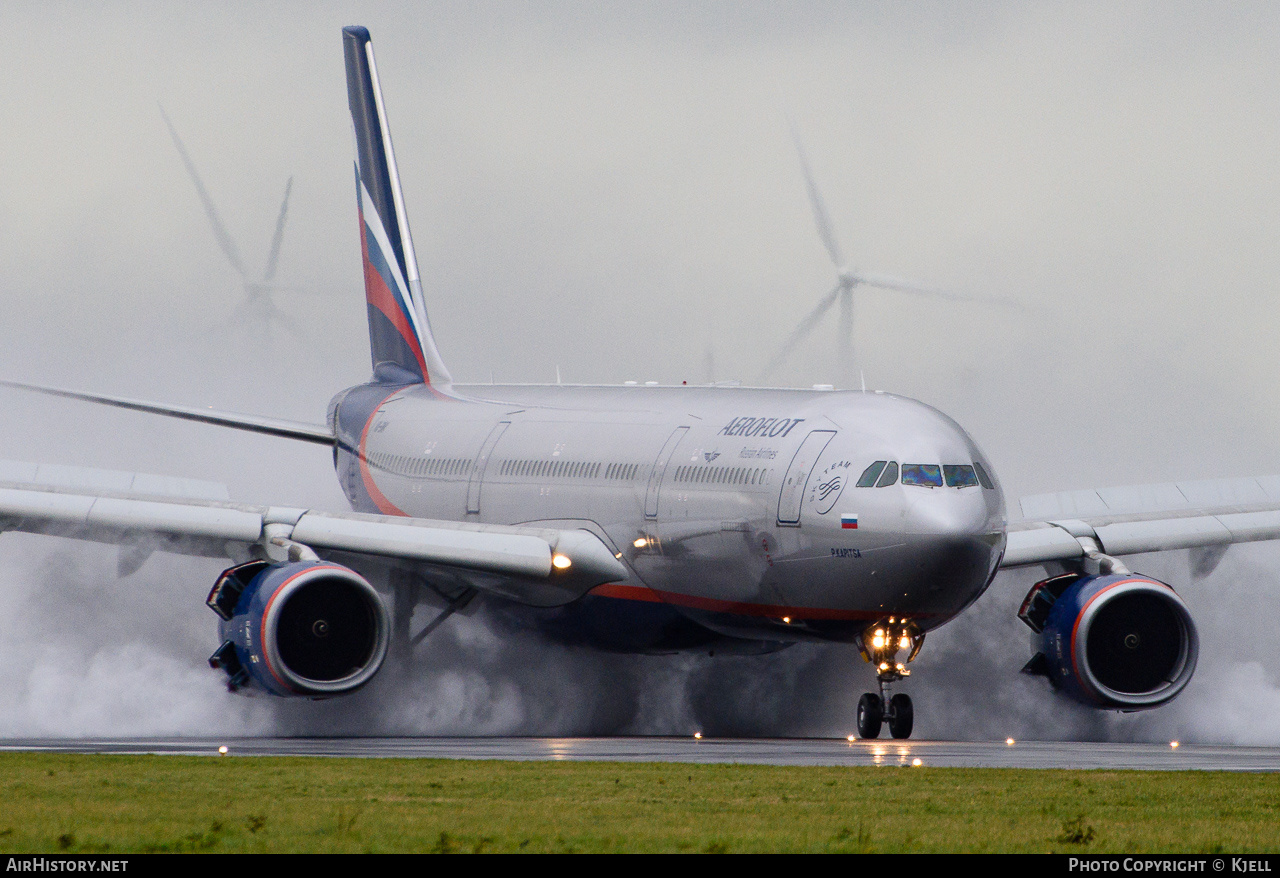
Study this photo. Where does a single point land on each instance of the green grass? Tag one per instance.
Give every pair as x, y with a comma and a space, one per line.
119, 804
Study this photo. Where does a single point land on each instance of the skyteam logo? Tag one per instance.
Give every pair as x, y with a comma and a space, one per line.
827, 486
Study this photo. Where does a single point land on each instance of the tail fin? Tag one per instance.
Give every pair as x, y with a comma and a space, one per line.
400, 337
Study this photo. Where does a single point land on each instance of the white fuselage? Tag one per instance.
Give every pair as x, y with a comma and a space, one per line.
737, 506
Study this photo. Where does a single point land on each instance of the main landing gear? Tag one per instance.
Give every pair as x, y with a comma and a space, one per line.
880, 645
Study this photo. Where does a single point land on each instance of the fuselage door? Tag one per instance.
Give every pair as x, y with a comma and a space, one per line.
797, 477
659, 470
482, 460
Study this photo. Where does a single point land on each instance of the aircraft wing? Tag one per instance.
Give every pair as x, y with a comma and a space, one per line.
1210, 515
537, 566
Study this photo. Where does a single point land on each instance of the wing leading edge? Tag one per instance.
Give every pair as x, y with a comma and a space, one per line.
535, 566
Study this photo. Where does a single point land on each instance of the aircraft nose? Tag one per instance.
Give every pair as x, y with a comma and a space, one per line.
957, 537
948, 512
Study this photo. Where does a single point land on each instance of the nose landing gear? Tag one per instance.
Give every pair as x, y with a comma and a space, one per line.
880, 645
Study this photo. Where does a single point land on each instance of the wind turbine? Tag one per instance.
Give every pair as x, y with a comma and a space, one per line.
257, 307
848, 279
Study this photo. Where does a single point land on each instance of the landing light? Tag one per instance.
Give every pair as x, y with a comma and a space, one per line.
904, 643
884, 666
641, 542
561, 562
877, 641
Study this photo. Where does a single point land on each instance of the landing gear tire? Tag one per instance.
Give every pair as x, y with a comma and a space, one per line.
870, 716
901, 716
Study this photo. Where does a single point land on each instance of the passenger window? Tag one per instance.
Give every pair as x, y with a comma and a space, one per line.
983, 478
890, 475
959, 476
926, 475
870, 474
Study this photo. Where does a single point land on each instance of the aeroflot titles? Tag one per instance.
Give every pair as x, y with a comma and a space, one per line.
771, 427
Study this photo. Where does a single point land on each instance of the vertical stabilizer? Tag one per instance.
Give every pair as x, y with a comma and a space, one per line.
400, 337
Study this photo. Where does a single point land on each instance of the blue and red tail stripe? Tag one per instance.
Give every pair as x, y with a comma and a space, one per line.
387, 295
399, 335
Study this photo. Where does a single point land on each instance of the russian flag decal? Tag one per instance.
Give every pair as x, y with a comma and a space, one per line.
849, 521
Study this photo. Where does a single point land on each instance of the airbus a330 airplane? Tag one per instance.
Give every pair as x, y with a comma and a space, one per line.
646, 518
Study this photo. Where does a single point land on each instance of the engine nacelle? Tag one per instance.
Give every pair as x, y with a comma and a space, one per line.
305, 628
1118, 641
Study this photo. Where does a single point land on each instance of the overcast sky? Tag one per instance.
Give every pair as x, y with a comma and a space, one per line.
612, 190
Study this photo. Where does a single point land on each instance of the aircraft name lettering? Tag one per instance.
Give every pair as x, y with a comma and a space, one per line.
846, 553
771, 427
757, 454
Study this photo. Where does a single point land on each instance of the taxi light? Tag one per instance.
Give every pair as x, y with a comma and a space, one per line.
877, 641
879, 632
904, 643
561, 562
884, 666
640, 542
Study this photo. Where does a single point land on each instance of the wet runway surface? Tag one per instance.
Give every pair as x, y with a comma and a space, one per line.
772, 751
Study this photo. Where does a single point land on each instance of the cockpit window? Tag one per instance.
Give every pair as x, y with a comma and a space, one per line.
870, 474
983, 478
926, 475
959, 476
889, 476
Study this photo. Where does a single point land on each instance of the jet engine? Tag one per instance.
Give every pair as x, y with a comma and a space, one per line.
304, 628
1116, 641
